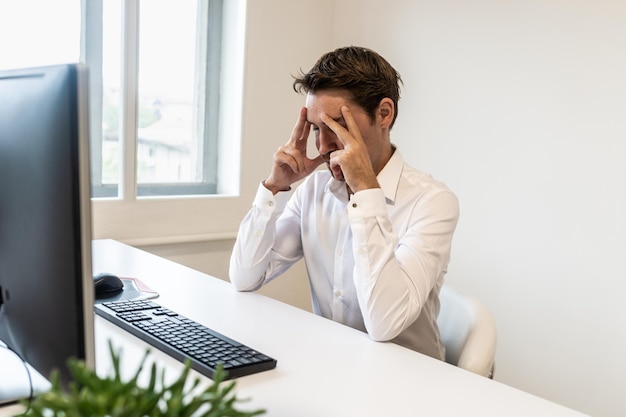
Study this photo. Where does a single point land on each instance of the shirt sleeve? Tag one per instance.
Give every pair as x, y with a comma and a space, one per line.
255, 260
394, 273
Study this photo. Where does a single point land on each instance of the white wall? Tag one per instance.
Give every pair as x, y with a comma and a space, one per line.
520, 107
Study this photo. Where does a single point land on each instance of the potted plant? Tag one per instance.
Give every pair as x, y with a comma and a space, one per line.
90, 395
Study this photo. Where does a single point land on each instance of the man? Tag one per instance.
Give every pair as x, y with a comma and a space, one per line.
375, 233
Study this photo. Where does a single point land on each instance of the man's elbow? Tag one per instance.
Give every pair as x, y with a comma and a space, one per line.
243, 285
381, 333
237, 286
385, 328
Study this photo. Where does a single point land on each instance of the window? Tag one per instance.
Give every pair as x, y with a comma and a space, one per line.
22, 40
150, 186
155, 70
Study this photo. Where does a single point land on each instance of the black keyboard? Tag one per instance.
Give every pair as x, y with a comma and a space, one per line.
183, 338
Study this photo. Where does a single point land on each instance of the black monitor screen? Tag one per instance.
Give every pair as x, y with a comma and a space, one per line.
46, 290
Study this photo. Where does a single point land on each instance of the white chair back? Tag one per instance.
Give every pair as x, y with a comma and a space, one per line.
468, 331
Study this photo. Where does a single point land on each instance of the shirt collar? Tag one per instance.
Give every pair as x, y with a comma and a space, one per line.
388, 178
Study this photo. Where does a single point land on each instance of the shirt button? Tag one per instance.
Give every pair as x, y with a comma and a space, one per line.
354, 205
270, 203
337, 293
339, 252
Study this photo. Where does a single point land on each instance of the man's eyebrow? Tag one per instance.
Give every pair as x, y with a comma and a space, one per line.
339, 119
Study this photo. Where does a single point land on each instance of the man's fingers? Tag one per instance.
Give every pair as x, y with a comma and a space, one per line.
334, 164
285, 156
350, 122
298, 162
317, 161
301, 143
347, 134
332, 124
301, 129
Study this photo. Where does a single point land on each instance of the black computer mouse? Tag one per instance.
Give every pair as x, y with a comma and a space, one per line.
107, 285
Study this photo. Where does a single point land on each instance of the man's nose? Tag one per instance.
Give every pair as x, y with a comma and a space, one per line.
327, 141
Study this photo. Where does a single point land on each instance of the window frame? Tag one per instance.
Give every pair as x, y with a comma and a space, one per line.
189, 218
207, 63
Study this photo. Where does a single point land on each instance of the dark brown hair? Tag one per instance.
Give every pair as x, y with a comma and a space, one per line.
365, 75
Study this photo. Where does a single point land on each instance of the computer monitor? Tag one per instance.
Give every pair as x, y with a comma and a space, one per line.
46, 281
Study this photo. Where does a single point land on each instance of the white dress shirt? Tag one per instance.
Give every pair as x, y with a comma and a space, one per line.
376, 259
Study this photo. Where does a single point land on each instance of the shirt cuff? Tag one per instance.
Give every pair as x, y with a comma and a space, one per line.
269, 202
367, 203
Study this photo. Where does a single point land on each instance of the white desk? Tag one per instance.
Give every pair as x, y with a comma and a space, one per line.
324, 368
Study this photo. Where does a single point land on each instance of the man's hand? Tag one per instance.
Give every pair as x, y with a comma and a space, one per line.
290, 161
354, 159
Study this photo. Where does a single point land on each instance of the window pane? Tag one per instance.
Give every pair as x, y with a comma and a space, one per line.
168, 145
172, 83
111, 93
30, 37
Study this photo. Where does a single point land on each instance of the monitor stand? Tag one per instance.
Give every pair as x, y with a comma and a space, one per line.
15, 384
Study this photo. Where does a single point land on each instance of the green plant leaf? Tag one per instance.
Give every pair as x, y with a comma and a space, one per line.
90, 395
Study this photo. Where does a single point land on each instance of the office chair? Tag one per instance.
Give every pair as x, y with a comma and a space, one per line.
468, 332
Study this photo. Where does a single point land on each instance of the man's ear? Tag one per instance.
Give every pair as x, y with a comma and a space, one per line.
386, 111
